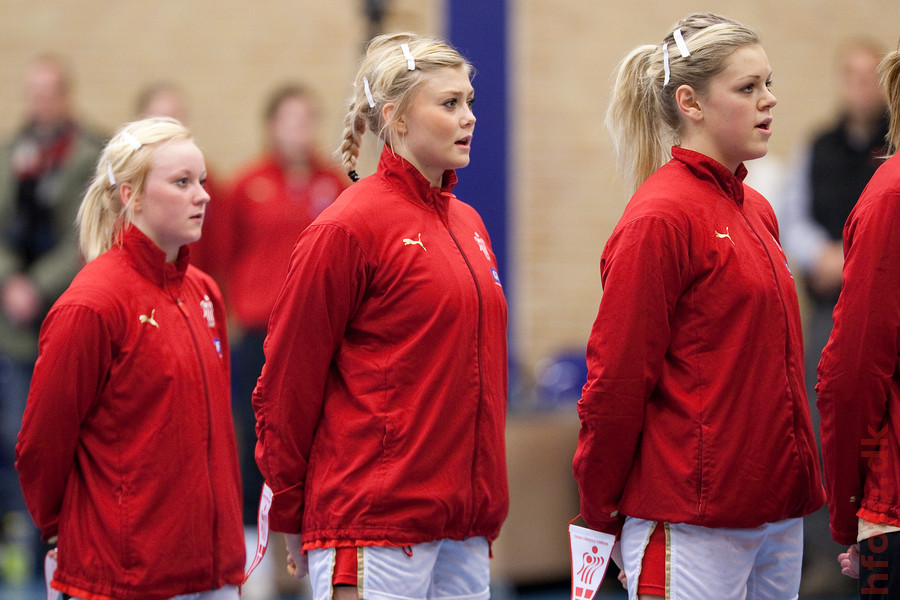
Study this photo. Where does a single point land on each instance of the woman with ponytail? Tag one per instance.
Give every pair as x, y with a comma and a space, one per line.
696, 446
127, 456
859, 389
381, 406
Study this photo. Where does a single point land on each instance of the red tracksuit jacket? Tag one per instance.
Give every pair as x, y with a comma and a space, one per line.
859, 374
381, 406
127, 448
694, 410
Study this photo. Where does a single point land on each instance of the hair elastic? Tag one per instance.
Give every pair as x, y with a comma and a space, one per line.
353, 175
131, 140
110, 174
410, 61
368, 91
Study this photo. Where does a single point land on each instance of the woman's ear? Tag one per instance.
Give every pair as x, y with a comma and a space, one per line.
126, 194
688, 101
395, 124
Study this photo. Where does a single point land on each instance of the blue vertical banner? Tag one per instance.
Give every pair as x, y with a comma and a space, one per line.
478, 29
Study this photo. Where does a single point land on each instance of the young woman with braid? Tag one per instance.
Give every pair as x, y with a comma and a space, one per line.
696, 445
381, 406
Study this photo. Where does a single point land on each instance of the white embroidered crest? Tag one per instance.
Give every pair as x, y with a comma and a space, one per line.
482, 245
207, 306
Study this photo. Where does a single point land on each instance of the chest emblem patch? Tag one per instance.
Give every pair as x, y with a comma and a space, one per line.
149, 320
412, 242
207, 306
482, 246
780, 249
725, 235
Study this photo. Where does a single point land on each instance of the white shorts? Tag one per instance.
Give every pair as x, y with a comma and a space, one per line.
762, 563
433, 570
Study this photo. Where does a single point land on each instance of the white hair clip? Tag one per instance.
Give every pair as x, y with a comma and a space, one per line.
679, 41
666, 64
682, 48
131, 140
368, 91
110, 174
410, 61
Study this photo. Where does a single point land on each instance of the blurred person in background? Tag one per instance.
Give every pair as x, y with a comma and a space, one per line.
820, 192
168, 99
44, 170
162, 99
253, 228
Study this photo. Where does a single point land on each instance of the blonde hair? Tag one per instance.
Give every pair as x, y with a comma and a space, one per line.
889, 74
643, 117
386, 71
127, 157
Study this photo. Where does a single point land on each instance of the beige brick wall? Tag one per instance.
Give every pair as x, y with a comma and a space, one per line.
227, 54
565, 198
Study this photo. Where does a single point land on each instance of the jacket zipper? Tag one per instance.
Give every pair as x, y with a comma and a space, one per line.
787, 329
480, 378
209, 425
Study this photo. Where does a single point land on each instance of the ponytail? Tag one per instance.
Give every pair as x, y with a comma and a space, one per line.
633, 119
889, 72
354, 129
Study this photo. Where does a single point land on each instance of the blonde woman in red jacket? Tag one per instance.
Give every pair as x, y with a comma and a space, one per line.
858, 389
382, 402
696, 444
127, 456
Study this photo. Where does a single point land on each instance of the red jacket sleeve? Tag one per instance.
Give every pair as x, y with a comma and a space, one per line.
75, 354
322, 290
860, 359
644, 271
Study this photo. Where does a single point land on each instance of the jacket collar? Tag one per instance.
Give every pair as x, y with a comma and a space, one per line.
402, 174
714, 172
150, 261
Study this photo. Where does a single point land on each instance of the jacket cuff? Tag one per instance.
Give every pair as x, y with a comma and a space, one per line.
286, 512
844, 538
610, 526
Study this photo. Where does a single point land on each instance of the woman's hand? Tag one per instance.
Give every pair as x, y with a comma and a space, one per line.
849, 561
616, 556
298, 562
